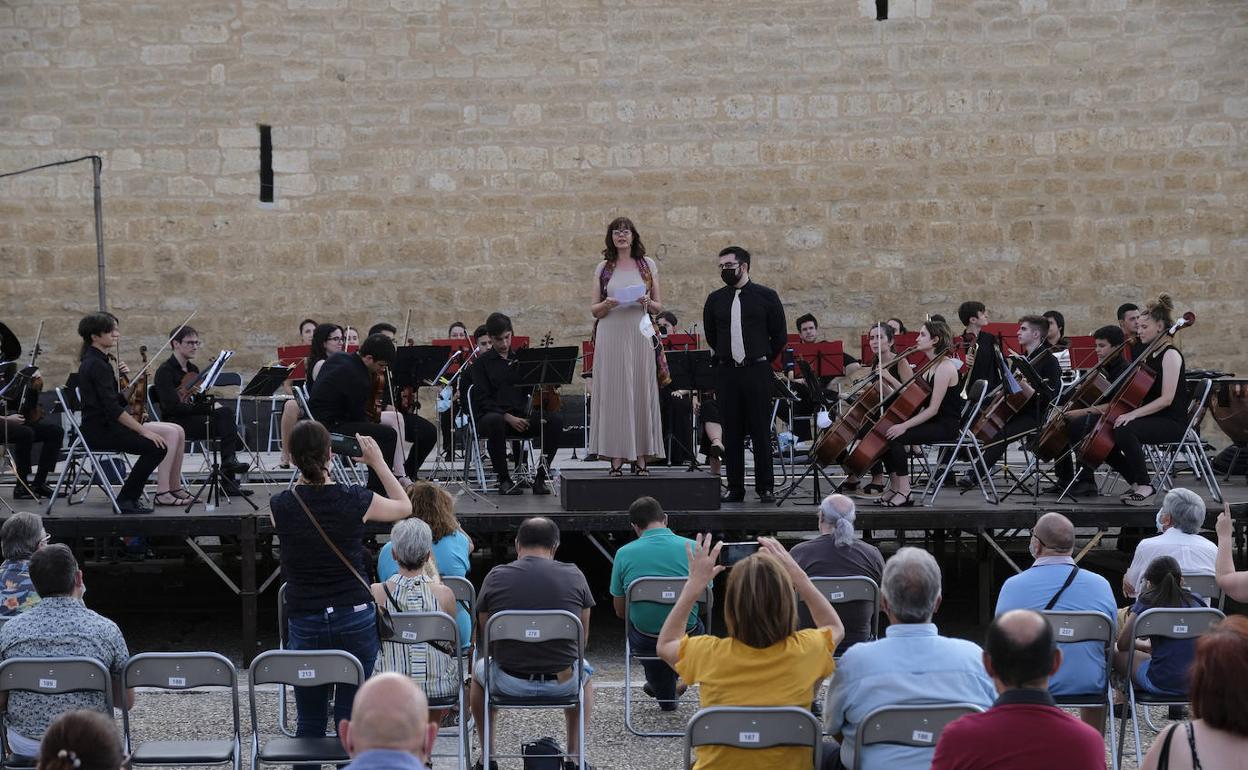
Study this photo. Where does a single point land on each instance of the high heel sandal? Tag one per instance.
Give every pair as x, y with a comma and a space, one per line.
640, 470
616, 471
890, 500
163, 499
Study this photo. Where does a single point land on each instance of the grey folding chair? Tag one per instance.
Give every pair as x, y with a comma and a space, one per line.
753, 727
1171, 623
918, 726
1084, 626
659, 590
1207, 587
465, 596
1164, 456
967, 441
426, 627
183, 671
48, 676
474, 457
79, 454
299, 668
855, 588
533, 627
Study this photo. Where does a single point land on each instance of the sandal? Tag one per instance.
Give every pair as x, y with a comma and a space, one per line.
167, 499
906, 500
182, 495
1137, 500
642, 471
615, 472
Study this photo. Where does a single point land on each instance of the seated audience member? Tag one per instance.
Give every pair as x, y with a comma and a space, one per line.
452, 547
412, 590
1218, 735
765, 660
21, 535
1055, 582
838, 553
912, 664
389, 728
81, 740
657, 552
1179, 520
1024, 729
1234, 584
59, 626
534, 581
1164, 668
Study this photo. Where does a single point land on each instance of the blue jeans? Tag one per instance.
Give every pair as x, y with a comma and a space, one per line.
659, 675
353, 632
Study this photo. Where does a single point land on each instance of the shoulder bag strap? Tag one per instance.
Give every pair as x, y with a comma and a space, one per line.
1069, 579
345, 561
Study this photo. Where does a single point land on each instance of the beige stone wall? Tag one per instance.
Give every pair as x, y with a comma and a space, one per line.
455, 157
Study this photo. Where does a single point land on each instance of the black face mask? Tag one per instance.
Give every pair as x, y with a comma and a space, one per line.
729, 275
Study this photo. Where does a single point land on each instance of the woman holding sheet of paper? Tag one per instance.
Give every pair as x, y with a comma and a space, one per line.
624, 408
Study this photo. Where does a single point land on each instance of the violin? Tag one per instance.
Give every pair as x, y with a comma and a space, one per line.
1054, 438
546, 398
135, 392
905, 403
864, 403
373, 409
1135, 384
28, 405
405, 400
188, 388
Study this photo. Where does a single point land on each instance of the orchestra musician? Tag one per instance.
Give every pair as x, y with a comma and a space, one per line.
502, 409
191, 412
1056, 338
1128, 320
459, 395
342, 392
326, 340
936, 421
1032, 331
457, 331
808, 394
675, 406
974, 316
107, 425
745, 329
898, 326
1079, 421
351, 337
880, 338
23, 433
409, 426
306, 328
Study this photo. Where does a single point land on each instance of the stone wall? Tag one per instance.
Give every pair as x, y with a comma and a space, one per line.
455, 157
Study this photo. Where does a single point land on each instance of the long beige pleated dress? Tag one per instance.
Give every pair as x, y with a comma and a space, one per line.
624, 418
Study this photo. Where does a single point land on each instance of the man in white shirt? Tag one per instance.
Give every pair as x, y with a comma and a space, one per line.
1179, 520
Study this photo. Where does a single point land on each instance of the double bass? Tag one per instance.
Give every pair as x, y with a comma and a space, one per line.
904, 404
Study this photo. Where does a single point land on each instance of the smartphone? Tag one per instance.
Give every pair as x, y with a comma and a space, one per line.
345, 445
735, 552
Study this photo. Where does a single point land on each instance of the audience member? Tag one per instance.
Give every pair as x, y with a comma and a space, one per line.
328, 604
411, 590
657, 552
1233, 584
81, 740
1055, 582
452, 548
389, 728
837, 552
912, 664
20, 536
1164, 668
765, 660
1024, 729
1218, 736
59, 626
1179, 520
534, 581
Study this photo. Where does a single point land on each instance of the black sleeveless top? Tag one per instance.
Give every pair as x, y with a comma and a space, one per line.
1177, 411
950, 406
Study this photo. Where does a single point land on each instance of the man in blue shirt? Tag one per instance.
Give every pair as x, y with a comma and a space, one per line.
657, 552
911, 665
389, 728
1045, 586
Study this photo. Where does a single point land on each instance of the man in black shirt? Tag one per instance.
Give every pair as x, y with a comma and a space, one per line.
193, 413
500, 407
974, 316
745, 328
416, 429
341, 393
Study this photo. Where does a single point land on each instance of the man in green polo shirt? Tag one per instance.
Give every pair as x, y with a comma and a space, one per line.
657, 552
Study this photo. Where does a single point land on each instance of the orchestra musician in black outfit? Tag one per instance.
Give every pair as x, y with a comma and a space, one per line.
1080, 421
416, 430
974, 316
745, 328
22, 433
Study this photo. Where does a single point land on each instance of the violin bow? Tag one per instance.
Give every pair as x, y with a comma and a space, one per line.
151, 359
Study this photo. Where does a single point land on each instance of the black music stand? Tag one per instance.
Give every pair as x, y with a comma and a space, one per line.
266, 381
540, 367
212, 484
1033, 469
418, 365
813, 468
691, 370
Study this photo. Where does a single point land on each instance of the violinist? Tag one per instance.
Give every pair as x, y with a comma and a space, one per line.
459, 394
409, 426
457, 331
326, 340
191, 411
1032, 331
898, 326
23, 431
107, 425
936, 421
1106, 339
977, 343
342, 392
880, 338
809, 394
351, 337
500, 408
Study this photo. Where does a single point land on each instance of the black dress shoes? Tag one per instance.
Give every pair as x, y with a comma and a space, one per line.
235, 467
733, 496
540, 487
509, 487
132, 506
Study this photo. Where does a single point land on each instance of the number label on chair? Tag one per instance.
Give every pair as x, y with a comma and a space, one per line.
532, 633
1180, 629
47, 684
1065, 632
836, 595
410, 636
921, 736
307, 673
177, 681
669, 594
748, 737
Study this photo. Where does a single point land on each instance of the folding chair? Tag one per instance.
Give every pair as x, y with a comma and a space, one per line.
299, 668
533, 627
420, 627
1206, 586
965, 440
339, 469
79, 454
1081, 626
466, 596
659, 590
283, 692
48, 676
918, 726
1164, 456
753, 727
855, 588
473, 457
182, 671
1171, 623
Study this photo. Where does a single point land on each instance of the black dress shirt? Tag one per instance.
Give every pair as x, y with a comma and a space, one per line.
167, 380
762, 322
494, 389
100, 397
342, 390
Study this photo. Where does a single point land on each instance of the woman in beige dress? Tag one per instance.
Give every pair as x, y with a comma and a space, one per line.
624, 409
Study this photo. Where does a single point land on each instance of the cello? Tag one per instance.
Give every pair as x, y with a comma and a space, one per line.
1003, 403
1054, 438
865, 402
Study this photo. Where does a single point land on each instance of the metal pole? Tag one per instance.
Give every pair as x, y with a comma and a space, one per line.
97, 164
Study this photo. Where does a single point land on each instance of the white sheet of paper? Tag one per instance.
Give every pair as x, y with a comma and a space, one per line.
630, 294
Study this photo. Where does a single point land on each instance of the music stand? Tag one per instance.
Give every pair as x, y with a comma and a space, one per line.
813, 468
691, 370
540, 367
207, 379
418, 365
265, 383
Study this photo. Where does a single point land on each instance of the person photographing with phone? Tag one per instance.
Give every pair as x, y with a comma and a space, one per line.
765, 660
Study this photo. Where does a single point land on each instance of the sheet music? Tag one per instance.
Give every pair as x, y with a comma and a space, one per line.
208, 377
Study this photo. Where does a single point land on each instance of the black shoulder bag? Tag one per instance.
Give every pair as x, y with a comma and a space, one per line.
1069, 579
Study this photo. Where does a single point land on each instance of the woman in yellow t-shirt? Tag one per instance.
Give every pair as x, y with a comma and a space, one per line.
765, 660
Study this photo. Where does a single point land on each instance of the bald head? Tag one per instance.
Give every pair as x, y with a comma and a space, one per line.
390, 712
1056, 534
1019, 650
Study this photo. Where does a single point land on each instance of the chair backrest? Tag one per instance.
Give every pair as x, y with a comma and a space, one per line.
305, 668
746, 727
282, 620
852, 588
229, 380
1080, 626
974, 401
918, 726
665, 590
53, 676
179, 671
534, 626
1177, 622
70, 403
463, 589
1205, 585
153, 402
1199, 400
417, 627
